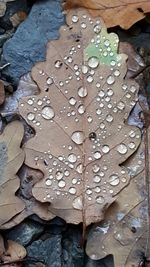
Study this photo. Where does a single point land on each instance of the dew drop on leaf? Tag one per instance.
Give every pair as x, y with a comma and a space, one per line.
114, 179
93, 62
122, 149
78, 137
47, 113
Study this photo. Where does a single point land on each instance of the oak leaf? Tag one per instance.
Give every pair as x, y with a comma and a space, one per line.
123, 13
11, 159
79, 119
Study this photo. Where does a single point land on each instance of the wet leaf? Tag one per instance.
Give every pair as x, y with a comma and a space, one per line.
123, 13
124, 232
84, 101
11, 159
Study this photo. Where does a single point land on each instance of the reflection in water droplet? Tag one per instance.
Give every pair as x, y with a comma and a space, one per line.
116, 73
83, 25
95, 168
75, 18
74, 180
105, 149
100, 200
30, 101
89, 119
72, 101
84, 69
77, 203
93, 62
90, 79
58, 64
59, 175
81, 109
79, 168
88, 191
97, 189
78, 137
72, 190
97, 155
114, 179
82, 92
97, 29
109, 118
122, 149
132, 145
101, 93
30, 116
48, 113
110, 80
72, 158
121, 105
48, 182
97, 179
49, 81
62, 184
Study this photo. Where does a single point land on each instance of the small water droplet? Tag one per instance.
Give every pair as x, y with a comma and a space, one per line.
75, 18
97, 29
97, 189
49, 81
83, 25
95, 168
97, 155
30, 101
77, 203
133, 89
30, 116
110, 80
72, 101
58, 64
72, 158
89, 119
132, 145
72, 190
109, 118
48, 182
84, 69
106, 43
97, 179
121, 105
78, 137
82, 92
79, 168
90, 79
114, 179
101, 93
88, 191
39, 102
93, 62
61, 184
48, 113
74, 180
100, 200
81, 109
116, 73
59, 175
122, 148
105, 149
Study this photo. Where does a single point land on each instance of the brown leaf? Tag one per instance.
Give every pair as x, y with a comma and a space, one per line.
11, 158
14, 252
17, 18
123, 13
84, 101
124, 231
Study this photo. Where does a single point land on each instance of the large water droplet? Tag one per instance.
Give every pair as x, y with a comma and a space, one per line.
62, 184
110, 80
93, 62
48, 113
114, 179
97, 155
105, 149
122, 149
82, 92
72, 158
78, 137
77, 203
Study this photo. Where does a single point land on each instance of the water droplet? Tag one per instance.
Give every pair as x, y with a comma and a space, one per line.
30, 101
83, 25
133, 89
90, 79
58, 64
102, 126
97, 29
72, 190
114, 179
49, 81
106, 43
72, 101
78, 137
109, 118
97, 179
132, 145
79, 168
66, 173
88, 191
77, 203
121, 105
62, 184
39, 102
84, 69
48, 113
132, 134
101, 93
93, 62
95, 168
116, 73
59, 175
74, 180
100, 200
30, 116
110, 80
89, 119
105, 149
72, 158
122, 149
75, 18
97, 155
81, 109
97, 189
48, 182
110, 92
98, 111
82, 92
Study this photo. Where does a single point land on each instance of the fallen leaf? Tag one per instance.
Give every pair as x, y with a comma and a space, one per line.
123, 13
84, 102
17, 18
2, 93
11, 159
14, 252
3, 6
2, 247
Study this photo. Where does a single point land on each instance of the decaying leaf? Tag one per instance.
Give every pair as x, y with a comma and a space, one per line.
79, 118
11, 159
123, 13
124, 232
3, 6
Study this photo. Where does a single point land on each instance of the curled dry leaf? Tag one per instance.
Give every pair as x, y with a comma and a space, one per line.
84, 101
11, 159
124, 232
123, 13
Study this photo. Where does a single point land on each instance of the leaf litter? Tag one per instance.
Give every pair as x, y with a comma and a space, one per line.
84, 101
